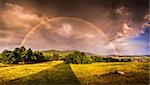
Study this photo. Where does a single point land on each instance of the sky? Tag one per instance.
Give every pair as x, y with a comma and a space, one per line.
103, 27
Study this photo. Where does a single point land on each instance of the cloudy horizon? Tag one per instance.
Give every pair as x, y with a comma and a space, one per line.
103, 27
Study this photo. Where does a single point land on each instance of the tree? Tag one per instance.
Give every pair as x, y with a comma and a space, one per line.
39, 56
78, 58
17, 54
55, 56
22, 48
7, 57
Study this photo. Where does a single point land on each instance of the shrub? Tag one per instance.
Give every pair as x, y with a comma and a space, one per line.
21, 63
98, 59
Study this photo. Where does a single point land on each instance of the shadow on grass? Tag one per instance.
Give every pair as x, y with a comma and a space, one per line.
137, 78
61, 74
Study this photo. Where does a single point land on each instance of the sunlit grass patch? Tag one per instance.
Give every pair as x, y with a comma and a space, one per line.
18, 71
103, 73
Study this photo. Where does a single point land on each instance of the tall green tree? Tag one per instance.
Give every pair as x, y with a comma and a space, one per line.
78, 58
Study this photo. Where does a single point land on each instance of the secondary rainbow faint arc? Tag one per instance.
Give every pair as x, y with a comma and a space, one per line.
74, 18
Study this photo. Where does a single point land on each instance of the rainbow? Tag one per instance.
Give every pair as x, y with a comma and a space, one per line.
73, 18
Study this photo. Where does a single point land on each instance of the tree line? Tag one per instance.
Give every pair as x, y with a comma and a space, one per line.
22, 56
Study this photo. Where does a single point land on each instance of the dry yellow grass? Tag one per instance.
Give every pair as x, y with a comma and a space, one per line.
136, 73
18, 71
58, 73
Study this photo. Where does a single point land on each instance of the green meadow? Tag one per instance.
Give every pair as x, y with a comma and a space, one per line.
59, 73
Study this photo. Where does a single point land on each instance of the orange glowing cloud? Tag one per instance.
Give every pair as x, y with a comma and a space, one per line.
15, 16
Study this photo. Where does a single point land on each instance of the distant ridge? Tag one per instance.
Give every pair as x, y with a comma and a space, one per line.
66, 52
90, 54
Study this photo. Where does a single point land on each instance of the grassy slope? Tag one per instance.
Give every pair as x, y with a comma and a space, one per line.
58, 73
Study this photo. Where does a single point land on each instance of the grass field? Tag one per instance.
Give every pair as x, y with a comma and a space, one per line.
58, 73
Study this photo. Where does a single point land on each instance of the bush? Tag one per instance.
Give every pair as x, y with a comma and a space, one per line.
97, 59
21, 63
78, 58
39, 57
